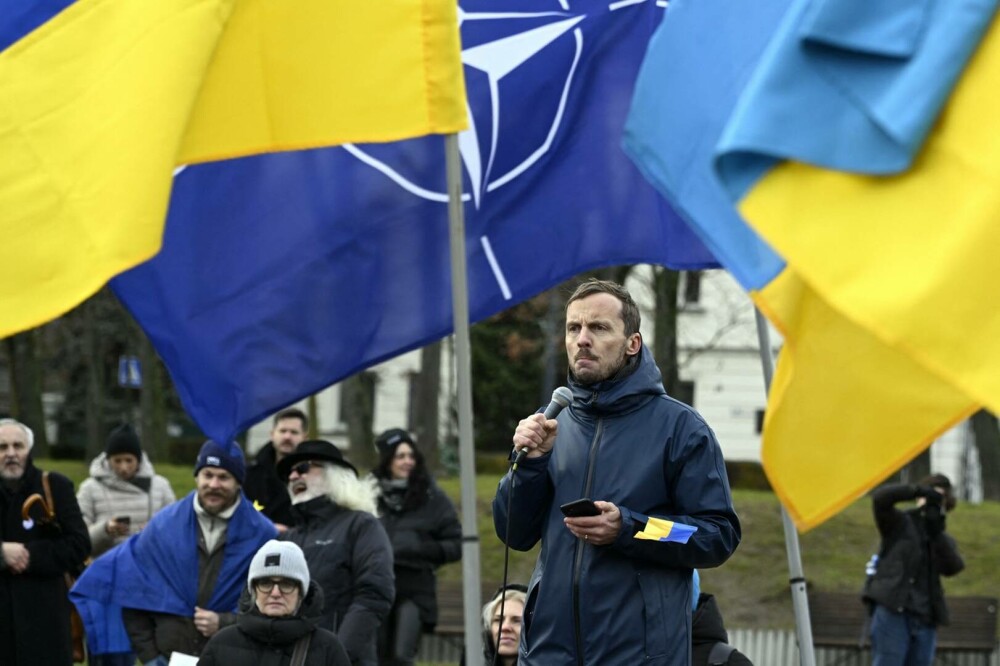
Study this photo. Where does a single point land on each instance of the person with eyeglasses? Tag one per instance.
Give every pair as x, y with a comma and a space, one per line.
345, 545
278, 618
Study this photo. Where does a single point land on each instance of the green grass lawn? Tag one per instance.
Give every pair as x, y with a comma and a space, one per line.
752, 587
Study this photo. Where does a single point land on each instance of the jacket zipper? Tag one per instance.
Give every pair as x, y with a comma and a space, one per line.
578, 558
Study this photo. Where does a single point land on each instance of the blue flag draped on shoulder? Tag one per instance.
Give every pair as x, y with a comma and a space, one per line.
281, 274
157, 570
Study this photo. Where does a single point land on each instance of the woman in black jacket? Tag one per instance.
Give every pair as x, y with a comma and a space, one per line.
277, 622
425, 533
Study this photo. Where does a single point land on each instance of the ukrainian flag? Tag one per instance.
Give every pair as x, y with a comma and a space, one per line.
661, 529
101, 100
876, 281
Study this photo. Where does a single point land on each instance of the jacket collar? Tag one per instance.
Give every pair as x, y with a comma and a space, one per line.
621, 394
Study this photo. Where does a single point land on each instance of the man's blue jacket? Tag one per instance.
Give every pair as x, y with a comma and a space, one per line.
622, 441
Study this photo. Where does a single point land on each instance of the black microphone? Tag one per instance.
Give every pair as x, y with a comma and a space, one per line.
562, 398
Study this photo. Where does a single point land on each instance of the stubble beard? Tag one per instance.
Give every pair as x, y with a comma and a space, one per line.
589, 377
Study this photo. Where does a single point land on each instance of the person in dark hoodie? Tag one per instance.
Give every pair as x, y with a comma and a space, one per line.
263, 487
614, 588
278, 617
425, 533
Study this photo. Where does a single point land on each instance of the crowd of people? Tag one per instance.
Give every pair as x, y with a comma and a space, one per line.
298, 559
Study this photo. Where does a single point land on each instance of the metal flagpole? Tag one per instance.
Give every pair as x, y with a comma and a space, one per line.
463, 370
797, 580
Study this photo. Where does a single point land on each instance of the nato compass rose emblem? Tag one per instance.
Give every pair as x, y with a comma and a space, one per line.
521, 70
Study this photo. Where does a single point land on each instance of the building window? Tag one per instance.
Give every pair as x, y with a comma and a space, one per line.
692, 287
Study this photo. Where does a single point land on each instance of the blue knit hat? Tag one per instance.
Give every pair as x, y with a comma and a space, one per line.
229, 458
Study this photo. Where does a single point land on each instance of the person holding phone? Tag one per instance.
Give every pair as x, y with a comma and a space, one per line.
599, 594
123, 491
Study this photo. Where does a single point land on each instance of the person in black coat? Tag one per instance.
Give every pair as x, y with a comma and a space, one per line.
279, 614
262, 485
36, 554
425, 533
905, 592
709, 639
345, 545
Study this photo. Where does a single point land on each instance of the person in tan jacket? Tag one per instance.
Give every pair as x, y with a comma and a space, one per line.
123, 491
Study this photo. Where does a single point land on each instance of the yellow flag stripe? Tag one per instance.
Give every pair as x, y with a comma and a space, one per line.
99, 104
396, 64
844, 410
886, 304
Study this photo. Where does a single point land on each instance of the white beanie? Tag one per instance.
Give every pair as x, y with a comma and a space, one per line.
279, 559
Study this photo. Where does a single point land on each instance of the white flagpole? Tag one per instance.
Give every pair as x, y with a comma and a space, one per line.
797, 580
463, 370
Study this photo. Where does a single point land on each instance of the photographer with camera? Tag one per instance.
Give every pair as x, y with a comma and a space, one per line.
905, 593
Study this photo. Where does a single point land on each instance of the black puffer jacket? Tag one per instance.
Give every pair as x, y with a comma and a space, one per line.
422, 539
266, 489
707, 630
911, 562
350, 557
257, 640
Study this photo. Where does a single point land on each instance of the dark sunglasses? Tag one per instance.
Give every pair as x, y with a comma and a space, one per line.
305, 466
285, 586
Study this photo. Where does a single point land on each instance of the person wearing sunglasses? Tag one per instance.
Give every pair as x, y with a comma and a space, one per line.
345, 545
278, 616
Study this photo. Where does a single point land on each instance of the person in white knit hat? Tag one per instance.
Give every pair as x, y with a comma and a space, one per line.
279, 614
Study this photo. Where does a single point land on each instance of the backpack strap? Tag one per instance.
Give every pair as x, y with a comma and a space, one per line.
719, 655
301, 649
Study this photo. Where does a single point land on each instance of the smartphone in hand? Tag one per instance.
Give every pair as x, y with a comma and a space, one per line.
580, 507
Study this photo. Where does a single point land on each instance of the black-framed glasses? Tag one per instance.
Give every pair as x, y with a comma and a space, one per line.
285, 585
305, 466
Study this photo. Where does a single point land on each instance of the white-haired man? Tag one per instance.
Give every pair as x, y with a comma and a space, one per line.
346, 547
38, 550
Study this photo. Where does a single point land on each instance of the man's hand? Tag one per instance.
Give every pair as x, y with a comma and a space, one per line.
535, 434
16, 556
597, 530
206, 622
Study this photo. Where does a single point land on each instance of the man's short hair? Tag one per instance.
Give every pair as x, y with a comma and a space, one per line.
29, 436
292, 413
630, 311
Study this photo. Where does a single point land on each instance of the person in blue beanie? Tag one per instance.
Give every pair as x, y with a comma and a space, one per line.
178, 581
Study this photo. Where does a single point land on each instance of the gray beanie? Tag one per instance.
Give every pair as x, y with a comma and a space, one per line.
279, 559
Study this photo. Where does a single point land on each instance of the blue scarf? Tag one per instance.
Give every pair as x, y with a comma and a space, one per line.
157, 570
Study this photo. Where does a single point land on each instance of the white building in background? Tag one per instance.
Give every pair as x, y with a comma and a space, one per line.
719, 363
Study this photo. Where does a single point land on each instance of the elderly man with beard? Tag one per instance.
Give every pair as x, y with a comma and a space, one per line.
178, 581
345, 545
263, 486
36, 553
615, 587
